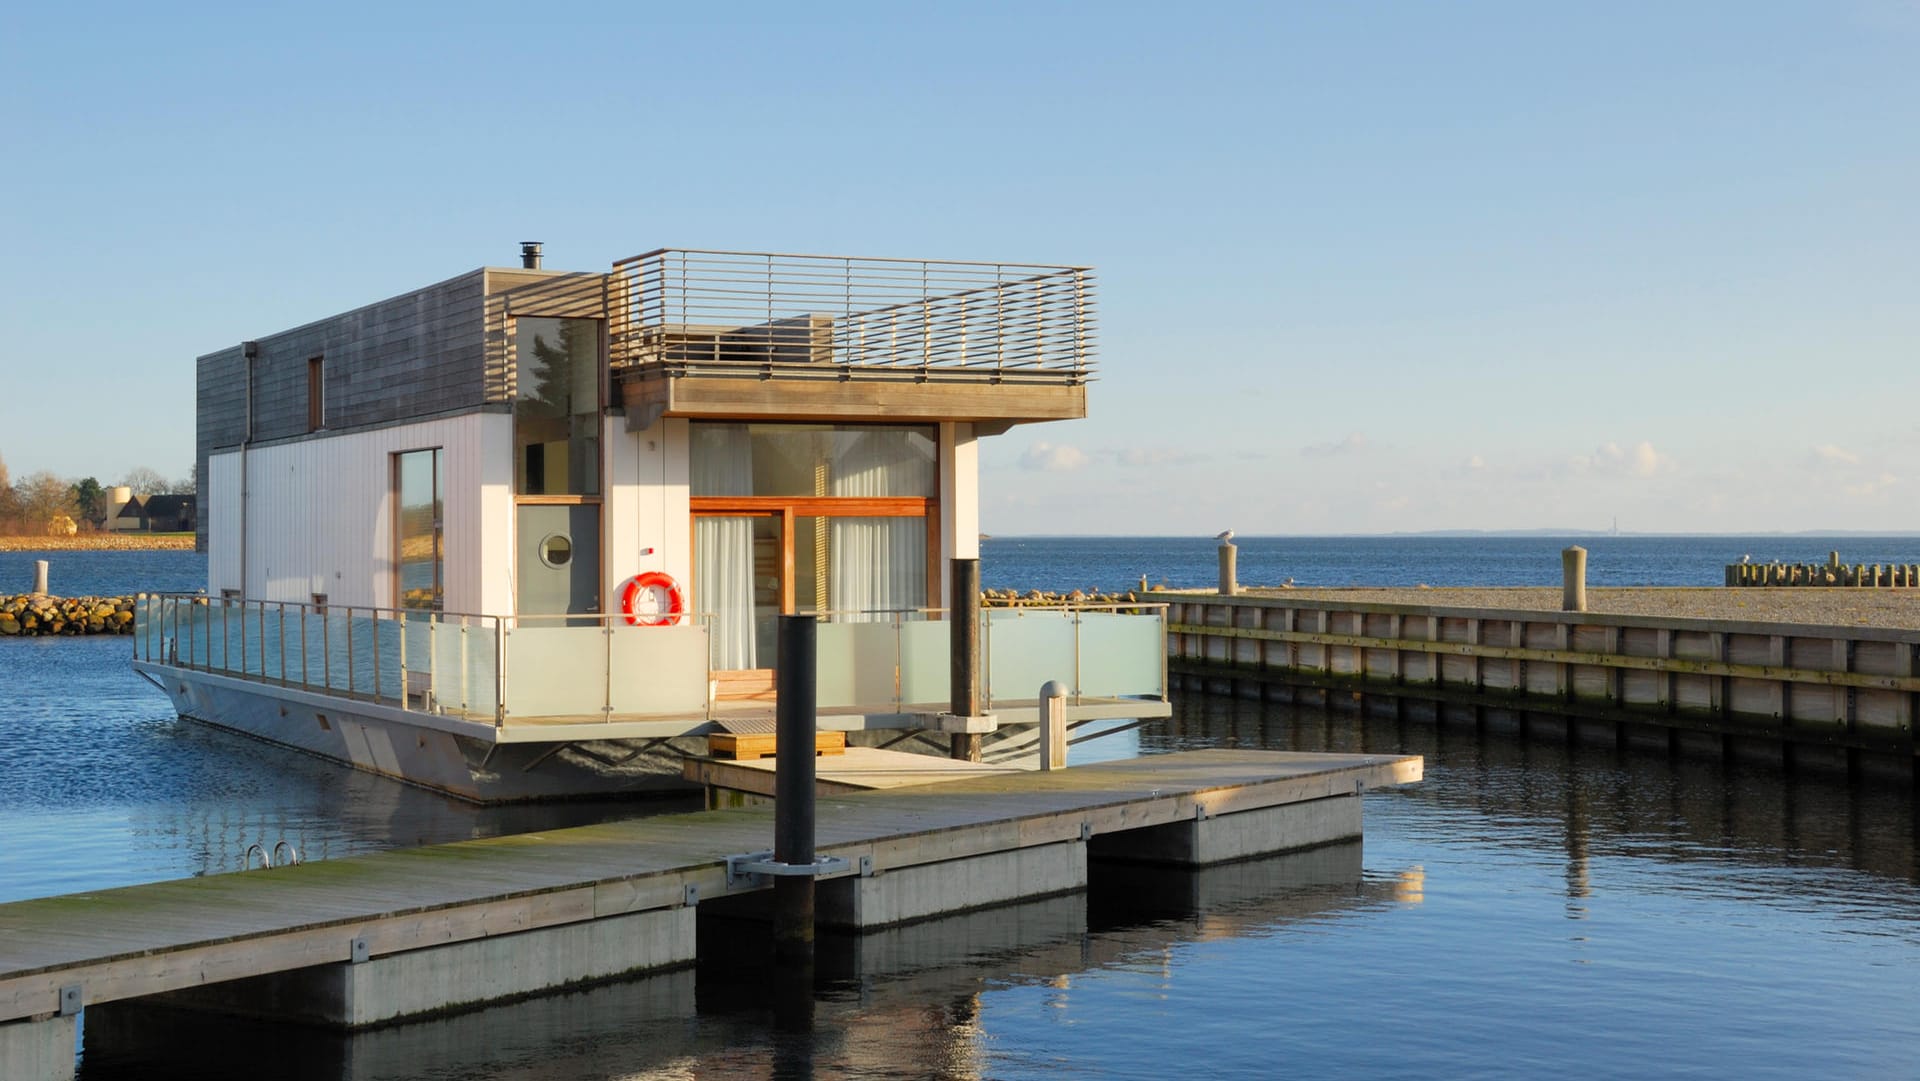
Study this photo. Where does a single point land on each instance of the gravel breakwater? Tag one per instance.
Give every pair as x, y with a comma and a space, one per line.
31, 615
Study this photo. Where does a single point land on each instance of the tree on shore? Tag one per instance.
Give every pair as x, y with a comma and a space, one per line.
41, 498
89, 499
145, 481
9, 503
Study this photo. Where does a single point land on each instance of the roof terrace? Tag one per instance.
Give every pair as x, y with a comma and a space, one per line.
697, 333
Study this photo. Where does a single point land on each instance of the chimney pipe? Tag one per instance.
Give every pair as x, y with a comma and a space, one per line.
530, 254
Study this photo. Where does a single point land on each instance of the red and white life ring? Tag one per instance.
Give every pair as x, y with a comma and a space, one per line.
652, 599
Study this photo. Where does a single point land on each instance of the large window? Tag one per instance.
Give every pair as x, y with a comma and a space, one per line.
832, 519
420, 554
556, 430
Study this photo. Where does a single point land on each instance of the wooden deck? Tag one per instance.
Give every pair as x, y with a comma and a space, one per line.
143, 940
856, 769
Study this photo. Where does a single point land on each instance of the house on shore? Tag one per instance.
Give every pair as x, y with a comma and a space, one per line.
164, 513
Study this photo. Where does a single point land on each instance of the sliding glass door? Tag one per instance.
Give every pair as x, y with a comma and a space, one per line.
738, 581
836, 520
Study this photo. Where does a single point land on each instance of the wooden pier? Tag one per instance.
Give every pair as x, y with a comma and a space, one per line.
1846, 688
377, 939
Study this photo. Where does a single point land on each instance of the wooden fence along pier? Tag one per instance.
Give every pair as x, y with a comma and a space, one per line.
1831, 693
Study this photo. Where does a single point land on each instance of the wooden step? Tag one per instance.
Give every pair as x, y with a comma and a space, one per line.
749, 746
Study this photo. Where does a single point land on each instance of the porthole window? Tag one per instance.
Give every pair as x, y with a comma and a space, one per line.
556, 550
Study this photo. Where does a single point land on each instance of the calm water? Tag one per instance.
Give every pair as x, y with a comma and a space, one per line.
105, 574
1535, 906
1110, 563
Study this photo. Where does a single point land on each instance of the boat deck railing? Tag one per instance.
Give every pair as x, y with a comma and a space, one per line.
773, 315
586, 668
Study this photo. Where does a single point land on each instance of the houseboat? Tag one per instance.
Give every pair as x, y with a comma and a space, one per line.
526, 533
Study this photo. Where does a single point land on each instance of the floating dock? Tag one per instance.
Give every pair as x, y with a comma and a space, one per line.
1681, 660
378, 939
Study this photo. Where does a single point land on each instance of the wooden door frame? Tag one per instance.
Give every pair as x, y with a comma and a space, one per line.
787, 508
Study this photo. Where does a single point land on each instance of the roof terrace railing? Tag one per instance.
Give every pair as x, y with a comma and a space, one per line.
817, 316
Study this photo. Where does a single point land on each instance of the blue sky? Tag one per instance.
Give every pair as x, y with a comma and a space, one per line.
1363, 267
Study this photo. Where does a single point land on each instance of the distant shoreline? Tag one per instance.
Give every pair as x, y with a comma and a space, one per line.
100, 542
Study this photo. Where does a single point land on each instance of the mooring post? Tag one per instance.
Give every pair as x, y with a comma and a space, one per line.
40, 577
1053, 725
965, 669
1229, 568
794, 727
1573, 579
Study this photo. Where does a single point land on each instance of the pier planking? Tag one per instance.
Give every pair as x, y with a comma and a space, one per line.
151, 939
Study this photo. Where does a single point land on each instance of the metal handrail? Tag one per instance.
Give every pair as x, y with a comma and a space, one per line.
795, 316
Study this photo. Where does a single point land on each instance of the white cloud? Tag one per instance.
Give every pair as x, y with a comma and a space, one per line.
1639, 460
1867, 489
1053, 458
1150, 456
1351, 443
1832, 455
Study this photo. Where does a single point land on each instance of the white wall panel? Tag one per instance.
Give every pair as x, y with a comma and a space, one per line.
221, 490
646, 504
320, 512
488, 582
959, 495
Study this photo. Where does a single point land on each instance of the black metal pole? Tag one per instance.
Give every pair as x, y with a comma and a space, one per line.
965, 672
794, 726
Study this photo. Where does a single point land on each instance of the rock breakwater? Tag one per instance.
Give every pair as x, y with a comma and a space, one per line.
34, 615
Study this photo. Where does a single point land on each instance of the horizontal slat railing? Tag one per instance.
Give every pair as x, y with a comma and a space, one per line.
728, 312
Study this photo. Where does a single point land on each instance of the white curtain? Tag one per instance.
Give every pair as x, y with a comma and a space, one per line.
722, 462
877, 564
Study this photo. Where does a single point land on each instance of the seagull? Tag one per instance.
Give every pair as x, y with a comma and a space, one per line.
1748, 558
1225, 537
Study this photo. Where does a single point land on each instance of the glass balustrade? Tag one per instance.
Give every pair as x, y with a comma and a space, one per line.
534, 669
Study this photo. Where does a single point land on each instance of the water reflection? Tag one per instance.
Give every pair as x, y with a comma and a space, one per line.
1555, 892
905, 1002
102, 785
1588, 789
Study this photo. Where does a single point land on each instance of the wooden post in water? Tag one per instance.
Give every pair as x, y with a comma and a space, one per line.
1573, 579
964, 671
1053, 725
39, 577
1229, 569
794, 728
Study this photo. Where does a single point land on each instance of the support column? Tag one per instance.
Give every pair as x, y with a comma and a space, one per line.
965, 669
460, 976
1236, 836
793, 790
38, 1050
896, 895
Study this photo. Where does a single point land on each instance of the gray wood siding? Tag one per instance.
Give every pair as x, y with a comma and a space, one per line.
416, 355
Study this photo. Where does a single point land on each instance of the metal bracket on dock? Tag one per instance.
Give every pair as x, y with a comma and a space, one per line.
71, 1000
866, 867
691, 897
359, 952
751, 869
1086, 831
